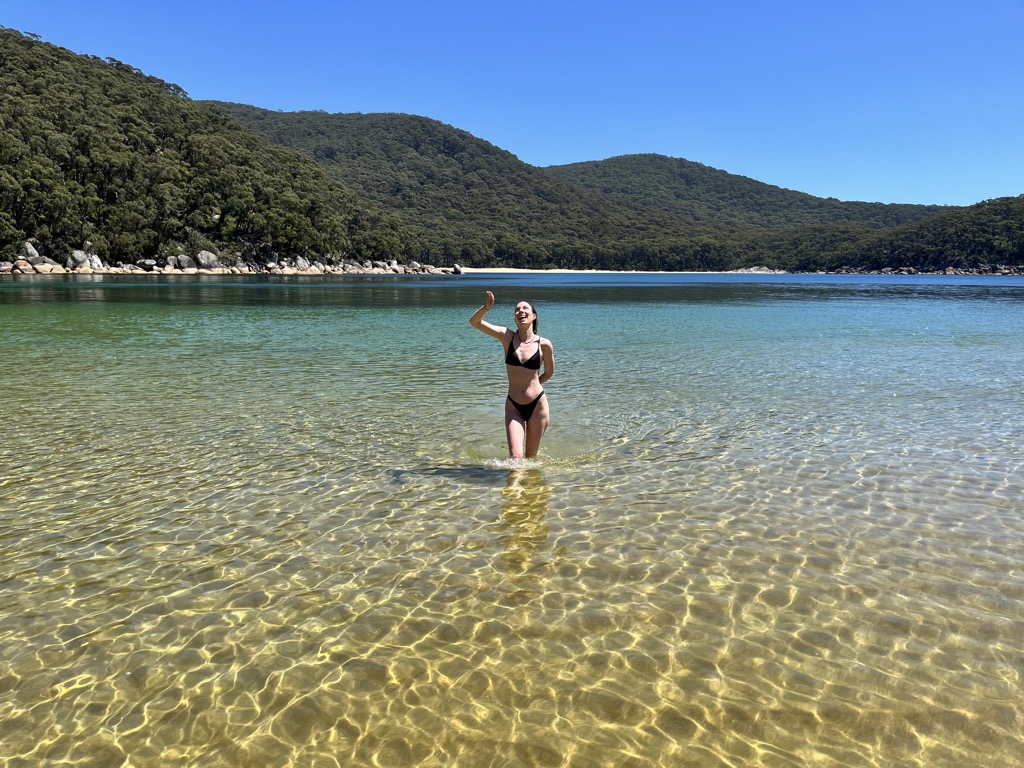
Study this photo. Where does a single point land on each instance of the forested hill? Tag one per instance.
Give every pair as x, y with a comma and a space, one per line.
464, 198
96, 154
988, 233
454, 188
460, 195
695, 192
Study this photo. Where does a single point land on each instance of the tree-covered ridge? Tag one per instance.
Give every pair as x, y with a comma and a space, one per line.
465, 198
987, 233
459, 194
700, 193
96, 154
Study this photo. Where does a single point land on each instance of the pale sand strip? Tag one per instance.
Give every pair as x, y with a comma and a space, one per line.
515, 270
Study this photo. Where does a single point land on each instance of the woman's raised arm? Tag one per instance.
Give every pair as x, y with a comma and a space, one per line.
478, 322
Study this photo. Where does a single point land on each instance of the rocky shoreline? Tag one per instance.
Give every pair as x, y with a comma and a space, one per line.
983, 269
208, 263
205, 262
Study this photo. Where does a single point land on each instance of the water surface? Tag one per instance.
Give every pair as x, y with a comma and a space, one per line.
269, 522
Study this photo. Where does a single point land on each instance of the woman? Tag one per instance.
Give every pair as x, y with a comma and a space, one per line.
526, 407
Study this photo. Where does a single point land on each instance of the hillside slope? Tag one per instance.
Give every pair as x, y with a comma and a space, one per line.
458, 193
698, 193
985, 235
97, 154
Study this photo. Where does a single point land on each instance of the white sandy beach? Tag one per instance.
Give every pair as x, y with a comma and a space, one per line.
513, 270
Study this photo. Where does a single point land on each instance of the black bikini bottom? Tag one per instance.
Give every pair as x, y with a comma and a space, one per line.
526, 409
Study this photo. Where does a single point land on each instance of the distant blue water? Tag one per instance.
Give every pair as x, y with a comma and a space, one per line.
777, 520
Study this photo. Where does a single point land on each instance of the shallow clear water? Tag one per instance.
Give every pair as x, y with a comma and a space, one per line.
777, 521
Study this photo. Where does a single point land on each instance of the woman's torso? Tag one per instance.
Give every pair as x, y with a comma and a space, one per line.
523, 361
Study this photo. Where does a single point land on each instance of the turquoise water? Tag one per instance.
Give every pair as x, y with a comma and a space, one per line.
777, 521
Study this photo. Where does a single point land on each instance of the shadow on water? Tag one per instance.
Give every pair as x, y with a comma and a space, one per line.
494, 472
474, 474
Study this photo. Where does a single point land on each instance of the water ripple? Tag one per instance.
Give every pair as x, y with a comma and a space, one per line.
283, 550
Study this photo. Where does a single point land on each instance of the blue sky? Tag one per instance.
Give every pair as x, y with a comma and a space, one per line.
895, 101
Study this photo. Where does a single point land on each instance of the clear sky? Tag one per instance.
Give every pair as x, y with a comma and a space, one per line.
909, 101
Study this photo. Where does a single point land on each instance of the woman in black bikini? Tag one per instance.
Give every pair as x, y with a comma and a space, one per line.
526, 407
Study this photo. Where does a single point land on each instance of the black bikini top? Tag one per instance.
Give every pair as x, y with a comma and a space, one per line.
531, 362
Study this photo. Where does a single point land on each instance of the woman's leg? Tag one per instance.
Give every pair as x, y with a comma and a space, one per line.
515, 430
536, 426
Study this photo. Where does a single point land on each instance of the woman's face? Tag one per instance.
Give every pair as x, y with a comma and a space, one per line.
524, 313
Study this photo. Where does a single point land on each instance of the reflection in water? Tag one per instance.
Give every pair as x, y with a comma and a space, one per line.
524, 516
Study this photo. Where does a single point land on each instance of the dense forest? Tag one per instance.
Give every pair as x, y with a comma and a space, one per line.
96, 155
461, 196
698, 193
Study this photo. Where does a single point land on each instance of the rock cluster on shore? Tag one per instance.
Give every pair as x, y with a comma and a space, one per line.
981, 269
205, 262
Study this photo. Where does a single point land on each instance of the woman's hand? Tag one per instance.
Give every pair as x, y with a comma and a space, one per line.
478, 322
